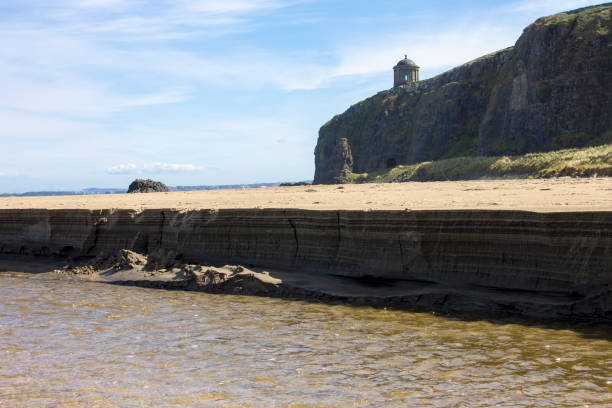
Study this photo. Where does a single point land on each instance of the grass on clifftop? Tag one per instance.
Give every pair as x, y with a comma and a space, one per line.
587, 14
584, 162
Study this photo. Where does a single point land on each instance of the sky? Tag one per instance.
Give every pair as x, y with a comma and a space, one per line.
96, 93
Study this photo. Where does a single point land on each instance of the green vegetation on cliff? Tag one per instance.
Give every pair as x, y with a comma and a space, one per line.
586, 162
551, 91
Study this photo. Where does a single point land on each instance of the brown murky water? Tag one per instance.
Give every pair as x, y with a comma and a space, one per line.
85, 344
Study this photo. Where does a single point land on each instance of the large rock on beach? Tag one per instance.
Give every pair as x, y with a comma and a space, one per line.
147, 186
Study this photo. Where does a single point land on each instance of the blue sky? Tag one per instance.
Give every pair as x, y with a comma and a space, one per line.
189, 92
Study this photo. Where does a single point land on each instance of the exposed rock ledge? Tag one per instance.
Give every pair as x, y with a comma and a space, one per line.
540, 264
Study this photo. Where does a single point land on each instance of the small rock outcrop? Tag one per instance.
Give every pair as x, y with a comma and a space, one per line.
551, 91
147, 186
336, 170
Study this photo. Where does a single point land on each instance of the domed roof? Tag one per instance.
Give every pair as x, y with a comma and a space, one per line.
407, 62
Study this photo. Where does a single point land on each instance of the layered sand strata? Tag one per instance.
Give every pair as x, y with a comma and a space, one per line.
520, 246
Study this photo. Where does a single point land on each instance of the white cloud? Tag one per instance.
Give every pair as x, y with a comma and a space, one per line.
96, 3
169, 167
62, 74
79, 64
2, 174
78, 98
155, 167
164, 19
228, 6
37, 130
79, 70
128, 168
60, 66
450, 46
434, 52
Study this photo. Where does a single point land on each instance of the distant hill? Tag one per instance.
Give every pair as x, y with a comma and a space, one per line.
224, 187
87, 191
552, 90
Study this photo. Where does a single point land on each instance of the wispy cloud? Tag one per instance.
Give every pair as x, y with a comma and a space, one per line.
2, 174
156, 167
127, 168
96, 57
79, 67
150, 20
96, 4
79, 98
228, 6
452, 46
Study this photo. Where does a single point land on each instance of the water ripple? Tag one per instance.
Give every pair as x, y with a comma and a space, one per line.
85, 344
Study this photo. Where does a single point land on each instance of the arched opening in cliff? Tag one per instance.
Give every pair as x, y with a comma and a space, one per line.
391, 163
67, 251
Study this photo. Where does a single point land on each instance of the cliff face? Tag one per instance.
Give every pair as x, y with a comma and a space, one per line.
553, 264
552, 90
340, 164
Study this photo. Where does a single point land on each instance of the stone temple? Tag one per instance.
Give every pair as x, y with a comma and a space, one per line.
405, 72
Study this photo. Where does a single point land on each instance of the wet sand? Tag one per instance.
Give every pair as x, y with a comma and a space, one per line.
539, 195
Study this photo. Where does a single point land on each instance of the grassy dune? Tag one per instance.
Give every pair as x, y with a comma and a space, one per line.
585, 162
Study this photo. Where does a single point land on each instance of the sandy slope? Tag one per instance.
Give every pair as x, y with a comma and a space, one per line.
551, 195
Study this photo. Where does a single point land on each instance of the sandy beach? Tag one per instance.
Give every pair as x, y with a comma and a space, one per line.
539, 195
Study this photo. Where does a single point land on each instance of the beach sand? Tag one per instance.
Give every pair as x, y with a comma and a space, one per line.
539, 195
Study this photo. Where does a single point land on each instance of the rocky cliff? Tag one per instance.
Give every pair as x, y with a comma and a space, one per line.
551, 264
552, 90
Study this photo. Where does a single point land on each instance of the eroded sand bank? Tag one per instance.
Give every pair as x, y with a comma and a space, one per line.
533, 247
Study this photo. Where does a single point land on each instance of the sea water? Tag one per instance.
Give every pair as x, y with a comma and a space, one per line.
75, 344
